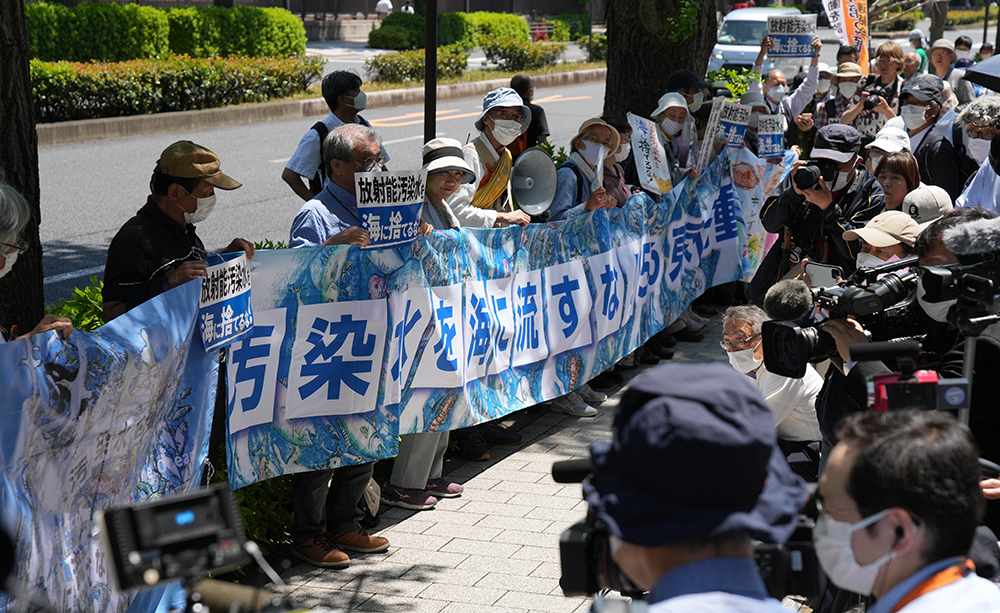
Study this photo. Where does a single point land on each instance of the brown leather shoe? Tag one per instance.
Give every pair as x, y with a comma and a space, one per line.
321, 551
361, 542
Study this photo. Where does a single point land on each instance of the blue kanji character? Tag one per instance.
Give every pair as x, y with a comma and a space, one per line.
725, 216
402, 330
567, 307
677, 255
610, 280
695, 239
527, 334
250, 351
651, 264
501, 340
334, 370
444, 345
479, 321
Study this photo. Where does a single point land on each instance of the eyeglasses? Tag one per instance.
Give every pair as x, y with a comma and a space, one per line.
739, 344
20, 247
597, 141
368, 163
983, 132
507, 115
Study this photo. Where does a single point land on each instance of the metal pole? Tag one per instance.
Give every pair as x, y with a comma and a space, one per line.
968, 362
986, 22
430, 70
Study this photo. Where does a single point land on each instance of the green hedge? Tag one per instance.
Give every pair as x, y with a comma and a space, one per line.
113, 32
399, 31
63, 90
408, 66
561, 31
600, 50
469, 29
961, 18
577, 23
518, 54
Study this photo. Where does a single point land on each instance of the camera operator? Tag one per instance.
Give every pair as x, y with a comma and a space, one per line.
820, 199
683, 531
984, 419
900, 504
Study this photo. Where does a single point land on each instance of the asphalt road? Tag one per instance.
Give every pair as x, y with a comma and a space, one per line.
88, 190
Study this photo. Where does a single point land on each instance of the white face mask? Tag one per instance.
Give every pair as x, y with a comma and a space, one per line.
777, 93
832, 539
753, 120
843, 178
203, 208
938, 311
622, 155
594, 154
696, 101
873, 161
506, 130
359, 102
823, 86
868, 260
979, 148
848, 89
670, 127
744, 361
913, 116
11, 258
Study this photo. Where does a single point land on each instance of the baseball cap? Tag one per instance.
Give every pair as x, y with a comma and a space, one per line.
684, 78
507, 97
927, 203
669, 100
443, 154
836, 142
186, 160
823, 67
924, 87
700, 425
943, 43
891, 139
885, 229
848, 69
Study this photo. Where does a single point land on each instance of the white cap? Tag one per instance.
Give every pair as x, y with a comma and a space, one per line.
890, 139
669, 100
824, 68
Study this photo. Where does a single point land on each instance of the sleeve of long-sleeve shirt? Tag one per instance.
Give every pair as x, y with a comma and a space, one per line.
804, 92
756, 81
836, 220
565, 206
461, 201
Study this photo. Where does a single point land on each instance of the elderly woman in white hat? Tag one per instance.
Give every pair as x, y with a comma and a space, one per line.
670, 116
487, 202
580, 179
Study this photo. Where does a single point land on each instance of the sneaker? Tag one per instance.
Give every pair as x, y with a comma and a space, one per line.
571, 404
654, 346
695, 317
498, 434
321, 551
361, 542
648, 357
418, 500
690, 336
471, 446
443, 488
589, 395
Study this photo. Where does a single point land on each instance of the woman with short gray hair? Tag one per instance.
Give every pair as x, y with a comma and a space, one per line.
14, 216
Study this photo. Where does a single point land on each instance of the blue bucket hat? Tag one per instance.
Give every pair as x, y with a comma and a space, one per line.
694, 455
504, 96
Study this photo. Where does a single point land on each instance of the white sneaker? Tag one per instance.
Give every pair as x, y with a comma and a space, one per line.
589, 395
698, 319
571, 404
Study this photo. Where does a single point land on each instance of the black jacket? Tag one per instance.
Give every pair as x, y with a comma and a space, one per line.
938, 164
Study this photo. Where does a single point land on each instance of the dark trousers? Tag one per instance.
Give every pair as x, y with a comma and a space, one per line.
327, 500
803, 458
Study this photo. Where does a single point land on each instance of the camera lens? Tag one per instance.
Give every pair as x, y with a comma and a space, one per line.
807, 177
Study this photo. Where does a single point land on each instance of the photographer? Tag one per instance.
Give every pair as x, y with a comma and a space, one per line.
683, 531
813, 207
900, 503
880, 93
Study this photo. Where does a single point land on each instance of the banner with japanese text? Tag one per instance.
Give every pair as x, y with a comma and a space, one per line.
224, 313
850, 19
651, 163
389, 204
791, 35
104, 419
754, 181
733, 123
352, 348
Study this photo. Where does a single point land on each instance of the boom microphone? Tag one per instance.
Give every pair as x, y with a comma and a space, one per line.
572, 471
979, 236
788, 300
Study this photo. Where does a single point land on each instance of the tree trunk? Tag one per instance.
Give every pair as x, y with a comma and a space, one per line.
640, 56
939, 12
22, 297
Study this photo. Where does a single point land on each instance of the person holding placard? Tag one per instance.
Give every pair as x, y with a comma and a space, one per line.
580, 186
775, 86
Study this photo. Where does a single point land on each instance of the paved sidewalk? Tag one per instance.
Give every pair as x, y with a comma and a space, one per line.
495, 549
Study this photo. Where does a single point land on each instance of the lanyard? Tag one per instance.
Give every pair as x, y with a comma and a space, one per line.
938, 580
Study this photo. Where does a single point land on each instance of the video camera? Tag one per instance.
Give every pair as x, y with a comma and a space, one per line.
880, 305
910, 388
973, 286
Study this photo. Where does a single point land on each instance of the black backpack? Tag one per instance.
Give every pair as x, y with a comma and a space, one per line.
316, 182
967, 166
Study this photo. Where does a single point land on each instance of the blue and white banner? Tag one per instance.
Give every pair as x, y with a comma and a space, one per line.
389, 204
771, 136
791, 35
352, 348
224, 312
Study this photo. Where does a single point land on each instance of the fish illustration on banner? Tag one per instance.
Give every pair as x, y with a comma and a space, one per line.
754, 181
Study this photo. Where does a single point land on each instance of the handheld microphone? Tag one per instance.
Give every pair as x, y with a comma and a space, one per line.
788, 300
979, 236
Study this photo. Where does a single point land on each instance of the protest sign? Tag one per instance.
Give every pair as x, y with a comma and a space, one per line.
389, 205
733, 123
850, 19
650, 158
791, 35
224, 313
707, 147
771, 136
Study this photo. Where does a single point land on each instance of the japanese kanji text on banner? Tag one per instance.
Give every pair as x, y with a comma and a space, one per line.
389, 204
850, 19
791, 35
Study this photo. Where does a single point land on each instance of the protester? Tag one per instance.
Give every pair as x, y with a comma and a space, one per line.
985, 51
920, 108
776, 96
538, 130
888, 235
325, 502
982, 123
676, 533
889, 139
848, 53
383, 8
846, 79
792, 401
911, 65
942, 58
697, 96
805, 124
900, 506
487, 202
579, 189
898, 175
343, 95
615, 184
158, 249
919, 42
963, 48
14, 216
885, 85
926, 204
758, 106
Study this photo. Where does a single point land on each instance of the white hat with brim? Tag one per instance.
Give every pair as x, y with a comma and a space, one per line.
890, 139
670, 100
444, 154
594, 121
505, 97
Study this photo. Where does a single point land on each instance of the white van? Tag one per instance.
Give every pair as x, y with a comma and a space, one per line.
739, 41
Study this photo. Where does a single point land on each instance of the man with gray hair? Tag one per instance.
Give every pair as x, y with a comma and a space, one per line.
981, 122
793, 401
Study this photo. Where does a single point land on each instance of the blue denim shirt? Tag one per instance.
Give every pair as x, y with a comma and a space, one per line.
566, 204
331, 212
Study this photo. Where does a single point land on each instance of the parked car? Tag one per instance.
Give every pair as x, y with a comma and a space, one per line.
739, 40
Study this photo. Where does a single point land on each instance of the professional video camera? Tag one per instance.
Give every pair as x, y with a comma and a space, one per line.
974, 287
880, 305
875, 94
910, 388
792, 569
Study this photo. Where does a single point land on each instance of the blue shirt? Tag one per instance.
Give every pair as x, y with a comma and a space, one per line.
892, 597
567, 202
733, 575
331, 212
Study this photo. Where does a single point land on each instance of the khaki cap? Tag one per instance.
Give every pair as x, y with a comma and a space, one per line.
885, 229
848, 69
186, 160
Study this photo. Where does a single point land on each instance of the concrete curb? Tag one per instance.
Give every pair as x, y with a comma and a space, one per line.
160, 123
